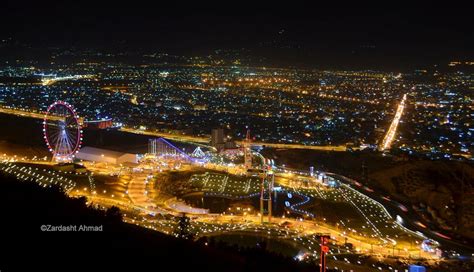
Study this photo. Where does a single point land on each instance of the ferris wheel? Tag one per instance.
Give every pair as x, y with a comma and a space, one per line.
62, 131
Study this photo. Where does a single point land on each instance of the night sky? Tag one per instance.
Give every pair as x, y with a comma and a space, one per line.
291, 32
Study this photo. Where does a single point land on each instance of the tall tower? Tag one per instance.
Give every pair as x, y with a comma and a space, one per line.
266, 189
271, 182
247, 151
324, 250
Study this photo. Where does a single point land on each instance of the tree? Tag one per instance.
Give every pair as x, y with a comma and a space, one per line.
113, 214
182, 230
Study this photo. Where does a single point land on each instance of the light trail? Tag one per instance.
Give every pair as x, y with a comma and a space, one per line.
390, 136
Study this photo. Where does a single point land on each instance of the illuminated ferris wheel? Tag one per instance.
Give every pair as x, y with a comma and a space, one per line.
62, 131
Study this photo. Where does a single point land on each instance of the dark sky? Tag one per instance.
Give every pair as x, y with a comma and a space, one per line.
291, 30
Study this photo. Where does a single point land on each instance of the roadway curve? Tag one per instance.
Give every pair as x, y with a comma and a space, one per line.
409, 216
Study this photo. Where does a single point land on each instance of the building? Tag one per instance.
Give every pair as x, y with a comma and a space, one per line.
201, 107
99, 124
217, 138
230, 145
88, 153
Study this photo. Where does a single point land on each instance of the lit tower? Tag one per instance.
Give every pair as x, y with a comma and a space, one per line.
271, 182
324, 250
262, 197
247, 151
266, 189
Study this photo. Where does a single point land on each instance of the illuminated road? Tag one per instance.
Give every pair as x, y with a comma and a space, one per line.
24, 113
46, 81
205, 141
175, 137
32, 114
390, 136
409, 217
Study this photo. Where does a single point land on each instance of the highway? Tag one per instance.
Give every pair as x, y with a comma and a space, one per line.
205, 141
46, 81
175, 137
23, 113
390, 136
30, 114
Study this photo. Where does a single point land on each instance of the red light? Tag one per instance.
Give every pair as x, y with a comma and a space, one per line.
325, 249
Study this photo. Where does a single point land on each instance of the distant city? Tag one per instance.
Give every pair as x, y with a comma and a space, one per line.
191, 95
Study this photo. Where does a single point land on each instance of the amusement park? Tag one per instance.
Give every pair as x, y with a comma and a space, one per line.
231, 193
